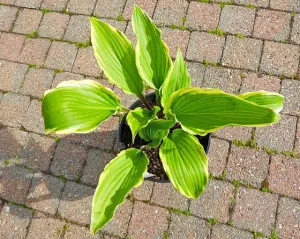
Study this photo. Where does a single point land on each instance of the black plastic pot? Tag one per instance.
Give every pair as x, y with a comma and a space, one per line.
125, 135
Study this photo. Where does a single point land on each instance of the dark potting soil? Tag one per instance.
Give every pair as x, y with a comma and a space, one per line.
155, 166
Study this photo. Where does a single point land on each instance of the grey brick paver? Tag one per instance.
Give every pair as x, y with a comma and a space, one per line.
80, 232
182, 226
166, 195
13, 108
7, 17
280, 59
288, 218
214, 202
44, 227
54, 25
279, 136
14, 221
285, 5
237, 48
68, 160
217, 156
148, 221
234, 133
11, 46
147, 5
55, 5
236, 19
196, 71
247, 165
220, 231
65, 76
257, 3
33, 120
109, 8
120, 25
297, 143
61, 56
28, 21
255, 210
76, 202
290, 89
37, 81
44, 193
272, 25
203, 16
81, 6
295, 37
205, 46
78, 29
28, 3
144, 191
283, 177
170, 12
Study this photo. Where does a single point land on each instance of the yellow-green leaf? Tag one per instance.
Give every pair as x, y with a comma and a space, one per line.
185, 163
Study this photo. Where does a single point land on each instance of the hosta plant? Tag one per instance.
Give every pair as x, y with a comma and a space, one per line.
170, 124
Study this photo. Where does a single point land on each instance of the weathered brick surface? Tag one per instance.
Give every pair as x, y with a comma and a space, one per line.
234, 133
7, 17
166, 195
126, 99
55, 5
257, 82
170, 12
175, 38
75, 203
14, 184
65, 76
11, 143
220, 231
285, 5
34, 51
12, 75
85, 63
222, 78
257, 3
81, 6
144, 191
61, 56
148, 221
78, 232
280, 59
147, 5
78, 29
54, 25
288, 218
237, 48
203, 16
247, 165
279, 136
13, 108
272, 25
205, 46
214, 202
236, 19
33, 120
118, 225
10, 2
255, 210
295, 37
290, 89
96, 161
120, 25
109, 8
37, 152
28, 3
14, 221
283, 177
217, 156
37, 81
28, 21
11, 46
68, 160
196, 71
182, 226
44, 227
44, 193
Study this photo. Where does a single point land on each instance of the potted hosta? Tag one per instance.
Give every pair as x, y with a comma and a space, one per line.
169, 125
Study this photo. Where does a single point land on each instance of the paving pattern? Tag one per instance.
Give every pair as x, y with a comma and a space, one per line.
47, 181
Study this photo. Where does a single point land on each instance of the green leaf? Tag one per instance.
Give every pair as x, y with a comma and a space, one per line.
152, 54
185, 163
139, 118
201, 111
118, 178
177, 79
156, 130
116, 57
267, 99
78, 106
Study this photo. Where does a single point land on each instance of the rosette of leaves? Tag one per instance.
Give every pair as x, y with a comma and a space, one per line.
182, 111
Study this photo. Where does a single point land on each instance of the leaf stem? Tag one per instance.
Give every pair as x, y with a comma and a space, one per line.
146, 104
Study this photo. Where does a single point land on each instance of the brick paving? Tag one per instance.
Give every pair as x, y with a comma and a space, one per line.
47, 181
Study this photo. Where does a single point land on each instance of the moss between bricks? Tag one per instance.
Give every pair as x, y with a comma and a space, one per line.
179, 211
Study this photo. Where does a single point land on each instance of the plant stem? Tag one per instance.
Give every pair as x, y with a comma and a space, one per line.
143, 99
